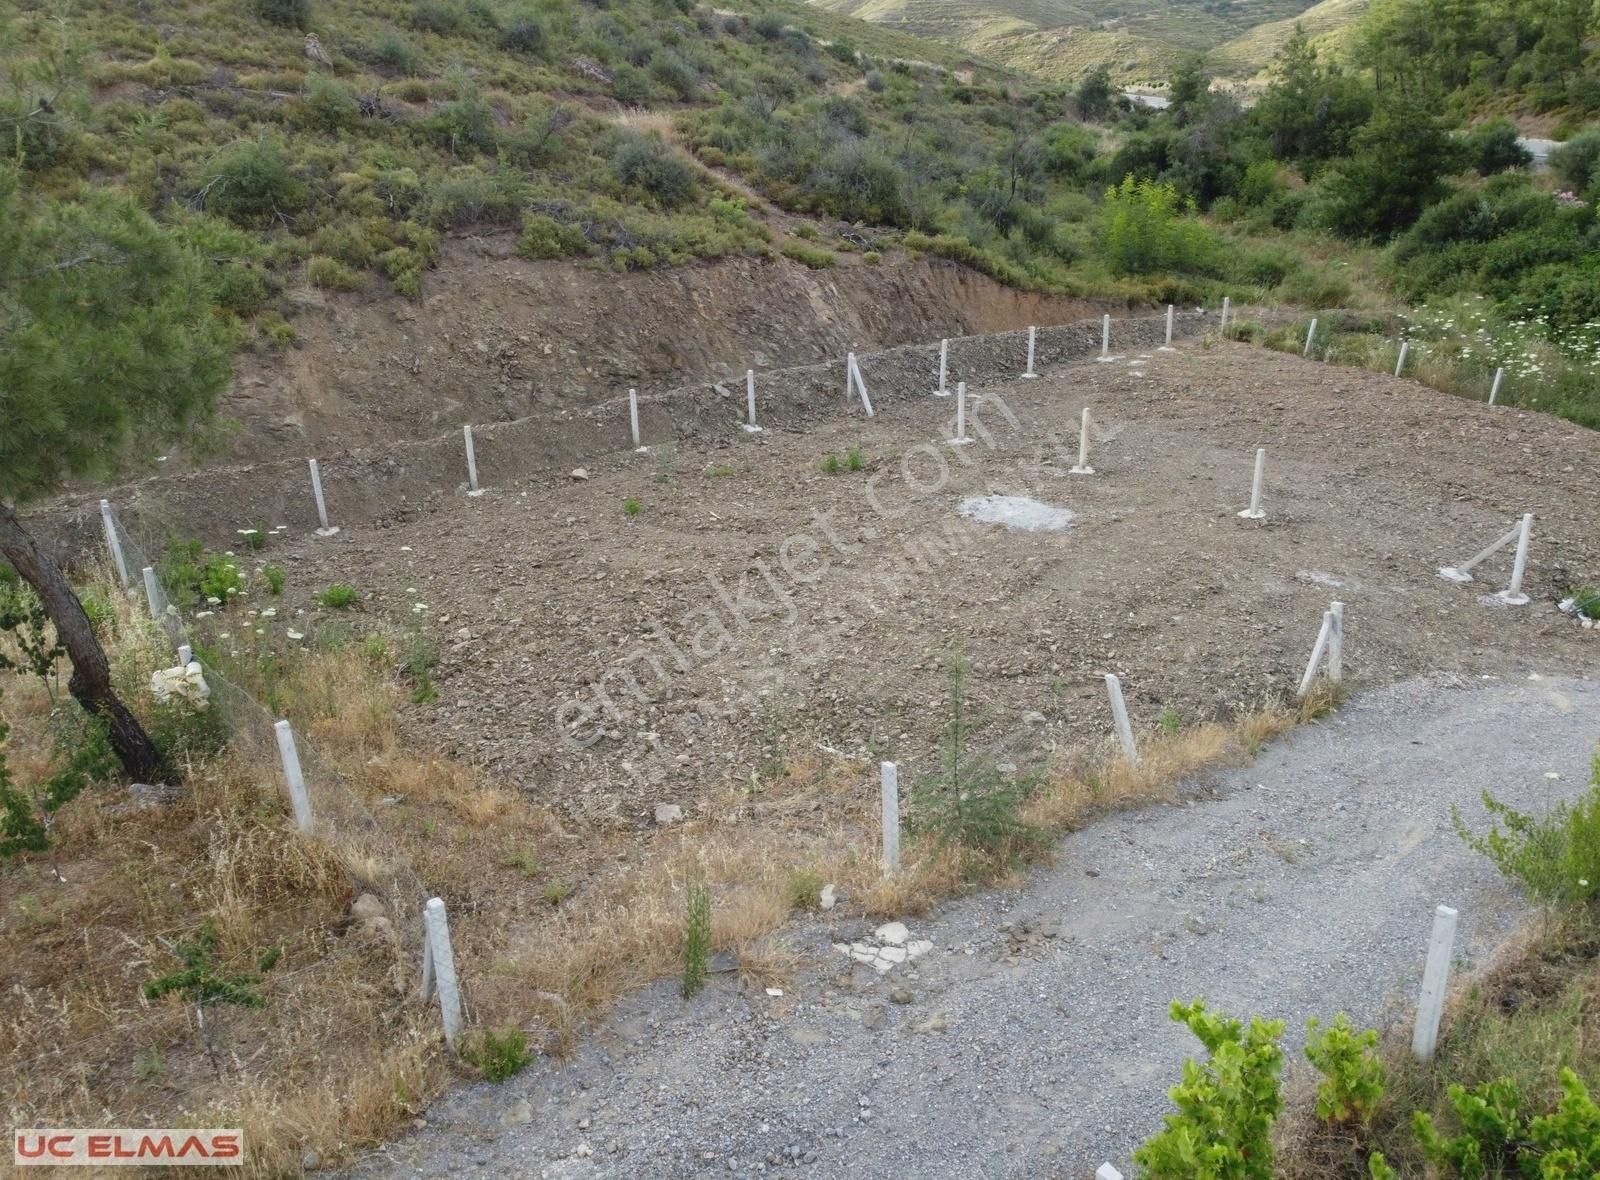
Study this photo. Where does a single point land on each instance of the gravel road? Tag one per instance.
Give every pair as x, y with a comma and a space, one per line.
1033, 1041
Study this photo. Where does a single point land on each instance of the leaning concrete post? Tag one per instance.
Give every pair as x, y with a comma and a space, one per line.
290, 757
114, 542
324, 529
1033, 334
1405, 348
1317, 651
633, 418
1435, 977
1494, 390
1311, 334
944, 369
1224, 328
861, 384
152, 595
1106, 1172
1336, 642
1083, 467
1512, 595
750, 402
1255, 511
889, 777
1463, 573
472, 463
439, 969
1119, 714
185, 655
1168, 343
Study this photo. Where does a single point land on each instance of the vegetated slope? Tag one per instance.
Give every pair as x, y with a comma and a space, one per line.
1139, 39
1327, 23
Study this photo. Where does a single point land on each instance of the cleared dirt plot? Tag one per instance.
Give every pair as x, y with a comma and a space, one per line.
659, 628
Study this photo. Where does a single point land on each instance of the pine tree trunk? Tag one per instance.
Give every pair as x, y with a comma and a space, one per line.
90, 684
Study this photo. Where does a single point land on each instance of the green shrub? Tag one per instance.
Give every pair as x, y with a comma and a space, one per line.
1557, 858
274, 577
251, 184
339, 596
1352, 1072
397, 55
803, 890
292, 14
525, 34
545, 237
21, 829
696, 938
631, 506
1316, 287
812, 256
332, 275
1586, 601
1574, 161
1492, 147
1222, 1129
329, 105
497, 1055
464, 126
646, 163
1149, 228
433, 17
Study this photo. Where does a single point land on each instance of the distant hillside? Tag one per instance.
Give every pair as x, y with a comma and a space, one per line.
1328, 24
1139, 40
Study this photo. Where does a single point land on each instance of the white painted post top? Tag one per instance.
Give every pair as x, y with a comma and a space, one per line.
1107, 1172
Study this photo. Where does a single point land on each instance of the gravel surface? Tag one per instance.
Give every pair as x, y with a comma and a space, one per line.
1032, 1040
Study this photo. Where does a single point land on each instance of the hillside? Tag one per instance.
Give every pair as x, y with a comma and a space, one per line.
1328, 24
1140, 40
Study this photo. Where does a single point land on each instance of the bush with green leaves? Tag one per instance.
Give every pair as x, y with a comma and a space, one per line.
1557, 856
1352, 1072
1222, 1129
252, 185
1577, 162
1148, 227
696, 938
1497, 1137
339, 596
293, 14
647, 164
498, 1054
1494, 147
21, 829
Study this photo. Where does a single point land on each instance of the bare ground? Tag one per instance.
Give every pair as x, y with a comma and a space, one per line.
857, 585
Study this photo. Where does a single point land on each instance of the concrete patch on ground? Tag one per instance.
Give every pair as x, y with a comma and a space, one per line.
890, 946
1022, 513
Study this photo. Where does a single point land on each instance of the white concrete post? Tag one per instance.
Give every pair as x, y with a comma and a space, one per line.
1512, 595
1083, 467
944, 369
1168, 344
324, 529
472, 464
185, 655
1119, 714
152, 595
1336, 642
1033, 334
1224, 327
1435, 976
889, 774
1494, 390
1106, 1172
1105, 338
750, 402
1463, 573
849, 374
1311, 335
961, 439
439, 968
290, 757
633, 418
1317, 651
1255, 511
1399, 365
114, 542
861, 384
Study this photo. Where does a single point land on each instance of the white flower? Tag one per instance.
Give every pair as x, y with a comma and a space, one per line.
270, 613
205, 614
293, 634
224, 635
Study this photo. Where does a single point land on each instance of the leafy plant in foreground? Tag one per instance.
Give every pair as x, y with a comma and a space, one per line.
1557, 857
696, 938
1226, 1106
1352, 1072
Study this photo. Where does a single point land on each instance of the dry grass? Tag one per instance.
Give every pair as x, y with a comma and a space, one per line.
551, 922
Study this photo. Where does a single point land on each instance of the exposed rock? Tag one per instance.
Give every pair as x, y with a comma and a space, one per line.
668, 813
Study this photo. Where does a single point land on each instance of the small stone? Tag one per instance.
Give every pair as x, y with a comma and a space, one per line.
901, 995
520, 1112
583, 1124
722, 963
893, 954
1034, 718
918, 948
1091, 872
580, 473
827, 900
310, 1162
668, 813
874, 1017
367, 907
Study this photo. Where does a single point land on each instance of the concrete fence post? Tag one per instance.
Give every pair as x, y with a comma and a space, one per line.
1105, 338
185, 655
1167, 347
472, 463
1255, 511
889, 780
1083, 467
961, 439
114, 542
1494, 390
324, 529
944, 369
1119, 714
1029, 374
633, 419
1336, 642
1224, 328
439, 969
861, 384
1435, 979
290, 757
1512, 595
1106, 1172
1405, 350
750, 402
1463, 573
1317, 651
1311, 335
152, 595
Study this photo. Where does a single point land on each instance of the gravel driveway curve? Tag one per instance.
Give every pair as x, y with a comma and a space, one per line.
1033, 1041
